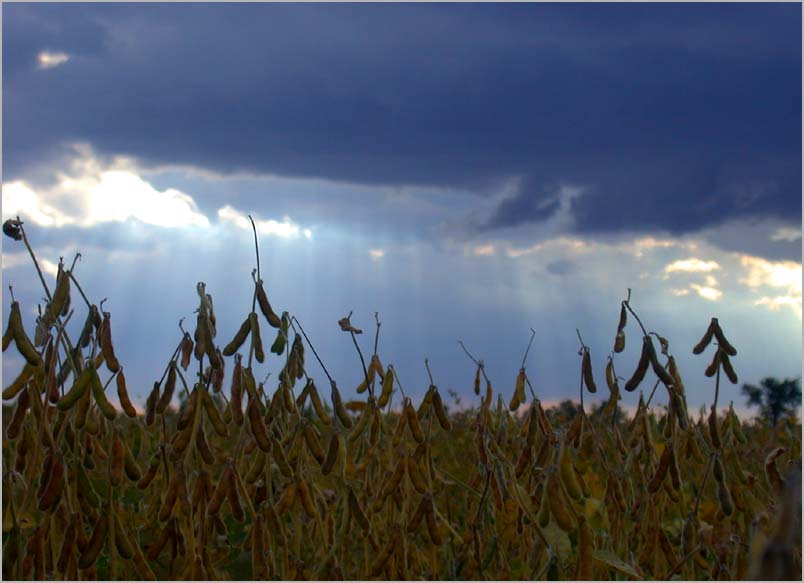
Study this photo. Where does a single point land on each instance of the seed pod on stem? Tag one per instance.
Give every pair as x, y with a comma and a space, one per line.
337, 405
150, 405
96, 543
642, 366
707, 337
438, 407
586, 369
122, 395
106, 344
239, 338
265, 307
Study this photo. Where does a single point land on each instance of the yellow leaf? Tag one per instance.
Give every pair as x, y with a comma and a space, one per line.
611, 560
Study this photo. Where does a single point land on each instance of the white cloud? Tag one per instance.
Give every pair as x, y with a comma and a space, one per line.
285, 229
90, 193
49, 60
482, 250
567, 243
49, 267
680, 292
708, 293
786, 234
691, 265
14, 259
377, 254
779, 281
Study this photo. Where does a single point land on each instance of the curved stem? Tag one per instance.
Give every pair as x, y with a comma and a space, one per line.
362, 362
310, 344
627, 304
527, 350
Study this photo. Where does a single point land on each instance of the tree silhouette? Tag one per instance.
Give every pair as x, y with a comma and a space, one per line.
774, 397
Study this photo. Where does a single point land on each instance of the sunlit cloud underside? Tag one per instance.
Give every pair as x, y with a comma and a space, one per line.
90, 193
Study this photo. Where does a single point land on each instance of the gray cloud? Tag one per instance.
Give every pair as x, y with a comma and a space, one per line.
672, 118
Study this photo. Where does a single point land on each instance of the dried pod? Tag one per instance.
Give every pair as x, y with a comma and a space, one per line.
727, 368
95, 544
258, 429
234, 497
558, 505
568, 476
117, 461
122, 395
413, 423
619, 342
332, 453
99, 394
306, 498
432, 525
21, 408
68, 546
313, 445
150, 405
317, 405
387, 387
170, 388
519, 395
523, 461
79, 388
19, 383
337, 405
714, 365
287, 499
239, 338
24, 344
707, 337
357, 512
721, 339
187, 412
661, 470
256, 339
279, 457
724, 497
415, 520
165, 536
265, 307
642, 366
176, 492
213, 414
186, 350
150, 473
658, 369
221, 492
202, 446
714, 428
122, 542
236, 394
586, 368
106, 343
586, 544
50, 496
441, 413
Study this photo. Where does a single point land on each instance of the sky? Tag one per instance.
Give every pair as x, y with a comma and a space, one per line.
466, 171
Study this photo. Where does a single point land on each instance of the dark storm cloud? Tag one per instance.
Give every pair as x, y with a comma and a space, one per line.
669, 117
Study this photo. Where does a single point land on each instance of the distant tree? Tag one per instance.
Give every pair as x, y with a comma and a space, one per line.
564, 411
774, 398
597, 411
